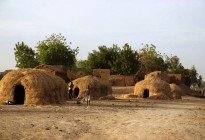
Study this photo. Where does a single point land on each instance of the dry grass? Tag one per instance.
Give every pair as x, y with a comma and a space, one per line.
40, 87
99, 87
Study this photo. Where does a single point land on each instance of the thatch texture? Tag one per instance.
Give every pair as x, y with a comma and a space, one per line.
102, 73
75, 73
176, 91
176, 78
99, 87
39, 87
154, 86
58, 70
129, 96
158, 74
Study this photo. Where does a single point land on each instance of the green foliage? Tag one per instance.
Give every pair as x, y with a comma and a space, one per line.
81, 64
120, 61
127, 60
99, 59
25, 57
55, 51
150, 60
174, 65
199, 81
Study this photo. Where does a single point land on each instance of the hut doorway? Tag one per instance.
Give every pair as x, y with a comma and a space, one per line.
146, 93
76, 92
19, 94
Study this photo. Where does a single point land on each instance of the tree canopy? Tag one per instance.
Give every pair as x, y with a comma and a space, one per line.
55, 51
25, 56
51, 51
119, 61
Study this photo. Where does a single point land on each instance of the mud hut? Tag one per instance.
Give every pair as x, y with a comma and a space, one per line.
32, 86
99, 87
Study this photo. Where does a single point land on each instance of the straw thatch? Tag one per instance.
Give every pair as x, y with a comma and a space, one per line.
75, 73
176, 78
99, 87
156, 86
33, 87
152, 86
158, 74
58, 70
102, 73
176, 91
129, 96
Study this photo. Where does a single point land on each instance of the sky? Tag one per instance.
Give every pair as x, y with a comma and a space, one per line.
175, 27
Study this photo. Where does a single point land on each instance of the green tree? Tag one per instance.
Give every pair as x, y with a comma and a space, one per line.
55, 51
127, 61
150, 60
120, 61
82, 64
25, 56
199, 81
99, 59
174, 65
193, 75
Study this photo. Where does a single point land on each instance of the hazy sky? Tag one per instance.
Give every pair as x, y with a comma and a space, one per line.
175, 26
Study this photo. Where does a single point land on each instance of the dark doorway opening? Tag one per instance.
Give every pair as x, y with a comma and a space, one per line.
76, 92
19, 94
146, 93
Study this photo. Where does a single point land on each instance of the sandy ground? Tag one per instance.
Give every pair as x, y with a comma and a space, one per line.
122, 119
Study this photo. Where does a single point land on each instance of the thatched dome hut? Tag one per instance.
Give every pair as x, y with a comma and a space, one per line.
152, 87
99, 87
32, 86
156, 86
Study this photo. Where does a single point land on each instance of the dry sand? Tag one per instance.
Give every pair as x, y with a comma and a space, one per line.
122, 119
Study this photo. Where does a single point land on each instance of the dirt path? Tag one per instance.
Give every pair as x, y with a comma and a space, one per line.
105, 120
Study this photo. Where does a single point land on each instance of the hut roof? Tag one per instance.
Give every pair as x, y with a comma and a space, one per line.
58, 70
99, 87
33, 87
53, 68
158, 74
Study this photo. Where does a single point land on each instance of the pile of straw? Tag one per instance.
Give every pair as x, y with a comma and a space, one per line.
40, 87
99, 87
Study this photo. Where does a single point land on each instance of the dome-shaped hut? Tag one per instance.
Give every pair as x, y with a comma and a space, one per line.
156, 86
152, 87
32, 86
99, 87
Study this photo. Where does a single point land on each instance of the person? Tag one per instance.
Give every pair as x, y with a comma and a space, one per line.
87, 93
71, 90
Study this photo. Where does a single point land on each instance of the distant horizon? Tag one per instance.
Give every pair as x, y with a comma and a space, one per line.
174, 27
